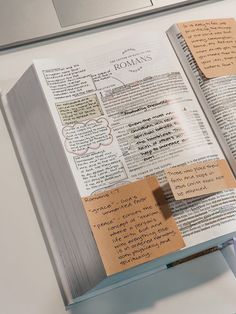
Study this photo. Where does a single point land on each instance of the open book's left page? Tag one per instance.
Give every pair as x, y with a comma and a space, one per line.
127, 111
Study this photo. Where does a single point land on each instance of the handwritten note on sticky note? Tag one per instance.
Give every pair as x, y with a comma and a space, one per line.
200, 178
132, 224
212, 44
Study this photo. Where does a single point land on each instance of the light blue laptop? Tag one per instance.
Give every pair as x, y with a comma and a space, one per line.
23, 21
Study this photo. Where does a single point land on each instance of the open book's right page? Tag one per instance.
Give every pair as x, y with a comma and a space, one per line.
217, 95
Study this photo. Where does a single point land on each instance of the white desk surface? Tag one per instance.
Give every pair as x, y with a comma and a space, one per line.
27, 281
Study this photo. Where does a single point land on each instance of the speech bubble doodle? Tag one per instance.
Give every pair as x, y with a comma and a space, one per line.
92, 134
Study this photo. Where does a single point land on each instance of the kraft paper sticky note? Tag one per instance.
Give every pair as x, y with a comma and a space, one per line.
212, 44
132, 224
200, 178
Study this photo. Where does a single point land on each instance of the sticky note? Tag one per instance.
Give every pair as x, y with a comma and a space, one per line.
200, 178
132, 224
212, 44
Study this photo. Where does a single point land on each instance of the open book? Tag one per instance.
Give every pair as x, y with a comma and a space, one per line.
111, 122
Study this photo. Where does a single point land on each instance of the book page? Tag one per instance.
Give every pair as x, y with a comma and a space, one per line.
132, 224
217, 95
220, 94
128, 112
